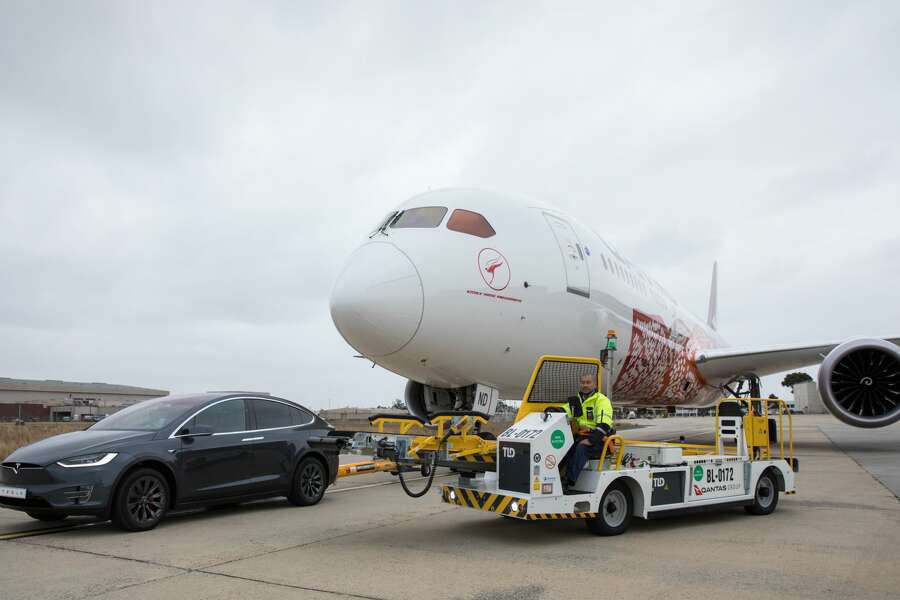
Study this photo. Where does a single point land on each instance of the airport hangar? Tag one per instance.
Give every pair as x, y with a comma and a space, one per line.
53, 400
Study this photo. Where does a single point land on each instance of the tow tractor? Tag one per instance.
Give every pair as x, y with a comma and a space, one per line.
518, 474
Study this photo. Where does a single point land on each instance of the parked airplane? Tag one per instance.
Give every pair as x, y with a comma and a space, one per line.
460, 288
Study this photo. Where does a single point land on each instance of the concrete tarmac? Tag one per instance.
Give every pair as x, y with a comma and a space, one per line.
836, 538
875, 450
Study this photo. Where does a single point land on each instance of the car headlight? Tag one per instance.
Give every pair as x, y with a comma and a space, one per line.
88, 460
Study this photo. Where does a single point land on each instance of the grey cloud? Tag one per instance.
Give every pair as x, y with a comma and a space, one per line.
180, 184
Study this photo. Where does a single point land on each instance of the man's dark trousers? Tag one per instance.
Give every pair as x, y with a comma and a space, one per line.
580, 454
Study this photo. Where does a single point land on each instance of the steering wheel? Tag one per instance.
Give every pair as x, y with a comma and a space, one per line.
552, 409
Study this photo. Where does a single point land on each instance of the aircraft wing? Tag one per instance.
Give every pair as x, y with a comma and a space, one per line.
723, 364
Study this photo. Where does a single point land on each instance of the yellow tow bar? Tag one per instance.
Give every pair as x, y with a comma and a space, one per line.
369, 466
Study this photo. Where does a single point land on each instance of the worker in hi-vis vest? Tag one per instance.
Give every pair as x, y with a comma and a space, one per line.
591, 416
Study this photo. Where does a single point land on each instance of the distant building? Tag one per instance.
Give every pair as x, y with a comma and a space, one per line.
49, 399
807, 399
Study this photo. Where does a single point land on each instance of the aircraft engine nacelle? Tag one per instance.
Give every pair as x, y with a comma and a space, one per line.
424, 400
859, 382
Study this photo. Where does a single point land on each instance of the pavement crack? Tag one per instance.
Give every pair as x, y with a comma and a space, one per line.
103, 555
135, 584
203, 570
837, 445
840, 505
296, 587
181, 571
319, 541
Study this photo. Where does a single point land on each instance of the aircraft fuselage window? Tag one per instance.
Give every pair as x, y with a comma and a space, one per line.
473, 223
424, 217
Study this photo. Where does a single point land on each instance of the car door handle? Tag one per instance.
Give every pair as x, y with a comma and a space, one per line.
253, 439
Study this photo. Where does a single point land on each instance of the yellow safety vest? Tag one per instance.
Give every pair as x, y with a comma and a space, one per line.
595, 409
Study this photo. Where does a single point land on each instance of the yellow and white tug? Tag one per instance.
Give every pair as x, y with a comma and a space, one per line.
518, 474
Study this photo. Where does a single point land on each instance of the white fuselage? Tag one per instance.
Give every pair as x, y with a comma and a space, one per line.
449, 309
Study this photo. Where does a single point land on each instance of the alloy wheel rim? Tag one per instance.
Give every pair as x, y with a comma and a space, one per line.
145, 500
311, 481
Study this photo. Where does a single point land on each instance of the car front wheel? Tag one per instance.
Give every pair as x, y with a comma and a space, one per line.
141, 501
310, 481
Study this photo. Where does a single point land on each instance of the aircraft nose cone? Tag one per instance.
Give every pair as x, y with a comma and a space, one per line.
377, 300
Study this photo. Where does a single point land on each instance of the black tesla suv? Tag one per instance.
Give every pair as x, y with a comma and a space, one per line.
176, 451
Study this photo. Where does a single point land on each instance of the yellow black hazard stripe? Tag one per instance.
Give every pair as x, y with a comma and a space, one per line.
550, 516
501, 504
482, 458
497, 503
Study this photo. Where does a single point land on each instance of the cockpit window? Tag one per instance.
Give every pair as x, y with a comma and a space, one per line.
419, 218
473, 223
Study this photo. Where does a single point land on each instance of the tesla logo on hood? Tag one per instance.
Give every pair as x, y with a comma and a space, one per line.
494, 269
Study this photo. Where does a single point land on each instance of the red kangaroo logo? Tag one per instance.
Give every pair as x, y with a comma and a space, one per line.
492, 266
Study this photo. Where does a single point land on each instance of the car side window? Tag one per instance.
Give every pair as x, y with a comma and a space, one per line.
271, 414
302, 416
224, 417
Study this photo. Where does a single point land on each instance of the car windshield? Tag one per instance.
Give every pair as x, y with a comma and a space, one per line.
149, 415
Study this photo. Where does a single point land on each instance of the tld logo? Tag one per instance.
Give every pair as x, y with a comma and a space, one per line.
509, 452
494, 269
659, 482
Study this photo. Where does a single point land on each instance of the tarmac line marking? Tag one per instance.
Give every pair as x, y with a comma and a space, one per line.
371, 485
382, 525
834, 444
824, 504
206, 569
135, 584
47, 530
291, 586
33, 532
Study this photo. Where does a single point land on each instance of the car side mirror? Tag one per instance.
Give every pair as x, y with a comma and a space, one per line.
196, 431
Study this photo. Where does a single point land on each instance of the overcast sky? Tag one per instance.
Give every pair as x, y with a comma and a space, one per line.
180, 183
